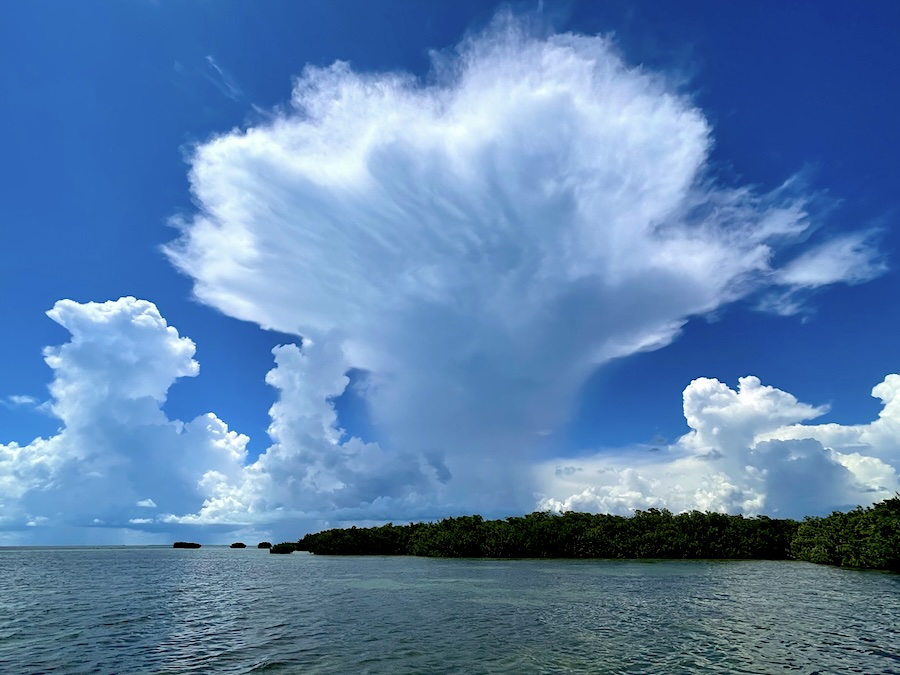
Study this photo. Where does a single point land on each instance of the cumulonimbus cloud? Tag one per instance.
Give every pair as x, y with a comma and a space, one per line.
477, 243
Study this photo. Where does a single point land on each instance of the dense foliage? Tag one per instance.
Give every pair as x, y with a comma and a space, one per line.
185, 544
264, 544
865, 537
862, 538
647, 534
284, 547
239, 544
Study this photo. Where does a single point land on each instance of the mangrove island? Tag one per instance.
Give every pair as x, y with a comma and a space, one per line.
862, 538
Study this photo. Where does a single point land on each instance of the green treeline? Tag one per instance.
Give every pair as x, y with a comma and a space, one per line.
647, 534
864, 537
867, 537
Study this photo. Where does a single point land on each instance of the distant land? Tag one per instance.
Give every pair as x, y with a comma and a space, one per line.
237, 544
864, 538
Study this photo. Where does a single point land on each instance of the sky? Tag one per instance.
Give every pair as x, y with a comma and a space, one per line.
273, 267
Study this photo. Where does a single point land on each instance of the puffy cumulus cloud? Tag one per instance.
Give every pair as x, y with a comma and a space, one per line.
121, 360
478, 243
311, 470
747, 451
116, 457
119, 468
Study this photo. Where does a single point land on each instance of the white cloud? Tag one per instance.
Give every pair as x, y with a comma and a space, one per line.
851, 258
747, 452
220, 78
309, 470
21, 400
479, 245
117, 453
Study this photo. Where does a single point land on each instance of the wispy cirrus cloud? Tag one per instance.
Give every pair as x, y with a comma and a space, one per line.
222, 79
20, 400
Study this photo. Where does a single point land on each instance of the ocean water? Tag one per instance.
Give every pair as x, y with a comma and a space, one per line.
219, 610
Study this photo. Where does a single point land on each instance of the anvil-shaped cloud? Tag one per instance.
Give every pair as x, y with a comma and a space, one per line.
478, 243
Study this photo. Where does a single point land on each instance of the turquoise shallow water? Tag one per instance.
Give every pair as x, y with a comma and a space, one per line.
218, 610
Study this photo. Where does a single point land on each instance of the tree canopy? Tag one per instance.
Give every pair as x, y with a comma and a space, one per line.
865, 537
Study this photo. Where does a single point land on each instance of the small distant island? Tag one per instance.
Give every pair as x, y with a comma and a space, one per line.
264, 544
185, 544
864, 538
239, 544
284, 547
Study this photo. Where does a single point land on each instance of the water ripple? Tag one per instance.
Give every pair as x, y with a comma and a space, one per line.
154, 610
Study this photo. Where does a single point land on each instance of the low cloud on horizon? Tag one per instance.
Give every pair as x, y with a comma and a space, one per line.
479, 245
119, 468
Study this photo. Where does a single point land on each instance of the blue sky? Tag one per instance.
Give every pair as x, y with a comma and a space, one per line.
517, 333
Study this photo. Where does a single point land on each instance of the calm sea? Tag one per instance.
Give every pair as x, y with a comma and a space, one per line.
218, 610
